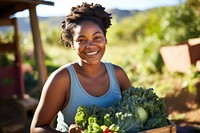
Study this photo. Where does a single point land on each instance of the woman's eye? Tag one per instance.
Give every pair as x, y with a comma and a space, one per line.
81, 40
98, 38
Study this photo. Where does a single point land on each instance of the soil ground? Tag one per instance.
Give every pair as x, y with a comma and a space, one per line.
184, 110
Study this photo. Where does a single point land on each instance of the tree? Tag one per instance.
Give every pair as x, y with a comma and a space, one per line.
186, 20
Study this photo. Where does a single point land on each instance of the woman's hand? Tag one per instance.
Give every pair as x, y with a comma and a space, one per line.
75, 129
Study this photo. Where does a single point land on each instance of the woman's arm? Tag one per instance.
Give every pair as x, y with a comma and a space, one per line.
122, 77
52, 100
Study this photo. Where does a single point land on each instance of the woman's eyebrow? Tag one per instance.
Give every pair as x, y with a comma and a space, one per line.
81, 36
97, 33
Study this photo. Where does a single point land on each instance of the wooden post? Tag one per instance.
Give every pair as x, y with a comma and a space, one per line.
38, 49
21, 89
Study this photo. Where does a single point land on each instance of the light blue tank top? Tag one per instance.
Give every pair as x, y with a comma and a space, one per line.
78, 97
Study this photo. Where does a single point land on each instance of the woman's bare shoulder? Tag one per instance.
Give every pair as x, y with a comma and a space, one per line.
118, 68
60, 78
122, 77
60, 73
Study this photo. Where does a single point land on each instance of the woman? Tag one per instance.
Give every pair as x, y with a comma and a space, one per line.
85, 81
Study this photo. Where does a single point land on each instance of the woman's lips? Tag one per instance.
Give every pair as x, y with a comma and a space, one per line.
92, 53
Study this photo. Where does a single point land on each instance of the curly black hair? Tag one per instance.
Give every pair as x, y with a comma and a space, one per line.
92, 12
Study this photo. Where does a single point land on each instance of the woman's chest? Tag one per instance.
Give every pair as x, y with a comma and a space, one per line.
97, 86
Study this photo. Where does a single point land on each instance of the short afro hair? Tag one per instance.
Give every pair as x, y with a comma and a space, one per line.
92, 12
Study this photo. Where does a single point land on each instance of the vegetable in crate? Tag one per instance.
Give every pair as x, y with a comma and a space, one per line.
139, 109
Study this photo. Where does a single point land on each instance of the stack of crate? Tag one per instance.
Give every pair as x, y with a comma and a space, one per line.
180, 57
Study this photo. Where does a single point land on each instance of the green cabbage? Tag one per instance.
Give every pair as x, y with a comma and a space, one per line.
139, 109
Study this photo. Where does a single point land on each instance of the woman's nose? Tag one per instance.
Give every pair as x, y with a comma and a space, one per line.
89, 44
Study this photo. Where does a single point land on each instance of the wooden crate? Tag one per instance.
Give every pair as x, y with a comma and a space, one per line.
167, 129
180, 57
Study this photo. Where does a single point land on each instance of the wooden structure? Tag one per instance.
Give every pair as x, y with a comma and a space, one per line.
11, 79
8, 8
14, 103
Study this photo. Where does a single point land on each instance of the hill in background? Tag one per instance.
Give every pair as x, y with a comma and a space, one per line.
24, 22
120, 14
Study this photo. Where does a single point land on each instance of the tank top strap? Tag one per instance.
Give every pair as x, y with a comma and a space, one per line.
111, 73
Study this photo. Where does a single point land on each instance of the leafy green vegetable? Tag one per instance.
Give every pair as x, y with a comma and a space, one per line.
82, 115
139, 109
143, 115
93, 127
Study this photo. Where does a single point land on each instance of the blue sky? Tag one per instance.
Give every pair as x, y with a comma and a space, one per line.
62, 7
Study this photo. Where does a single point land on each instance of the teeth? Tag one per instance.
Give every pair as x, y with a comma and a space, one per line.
92, 53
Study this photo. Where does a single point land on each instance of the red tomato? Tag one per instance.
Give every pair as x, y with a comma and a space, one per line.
106, 130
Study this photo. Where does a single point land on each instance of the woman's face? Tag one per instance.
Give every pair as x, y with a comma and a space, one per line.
89, 42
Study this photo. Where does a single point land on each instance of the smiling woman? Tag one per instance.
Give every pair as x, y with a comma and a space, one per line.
87, 80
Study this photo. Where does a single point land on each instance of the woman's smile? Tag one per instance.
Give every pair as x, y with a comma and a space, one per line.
92, 53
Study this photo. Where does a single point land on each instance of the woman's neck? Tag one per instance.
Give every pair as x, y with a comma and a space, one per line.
91, 70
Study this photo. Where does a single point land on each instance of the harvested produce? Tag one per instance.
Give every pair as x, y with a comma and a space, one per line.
139, 109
